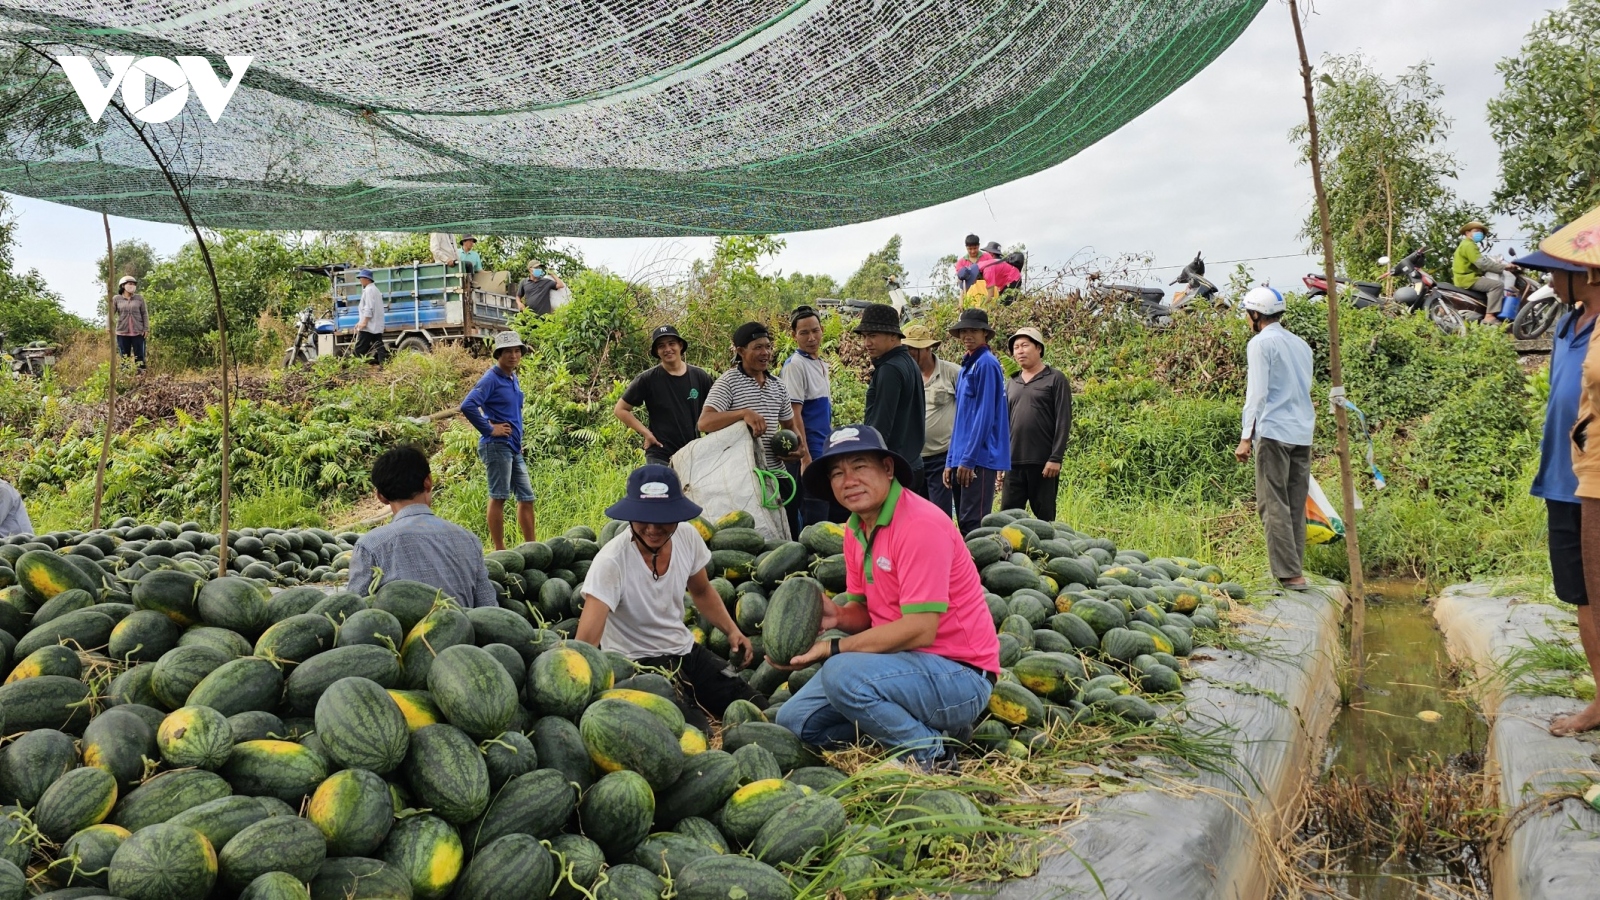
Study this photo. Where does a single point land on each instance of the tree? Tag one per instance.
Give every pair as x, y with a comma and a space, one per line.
1547, 119
134, 257
29, 310
1384, 164
868, 281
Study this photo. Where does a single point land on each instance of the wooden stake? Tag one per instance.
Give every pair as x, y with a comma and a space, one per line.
111, 384
1347, 486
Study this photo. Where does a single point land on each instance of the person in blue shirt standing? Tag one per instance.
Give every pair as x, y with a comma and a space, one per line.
494, 407
980, 442
1278, 426
1556, 484
805, 375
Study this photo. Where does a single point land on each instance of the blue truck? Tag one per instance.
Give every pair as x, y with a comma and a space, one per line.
425, 305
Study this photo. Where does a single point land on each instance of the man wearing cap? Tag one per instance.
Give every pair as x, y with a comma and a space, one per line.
672, 390
417, 545
494, 407
920, 654
980, 439
894, 396
468, 258
369, 320
633, 596
1569, 466
534, 291
748, 393
805, 376
1039, 402
1472, 270
1279, 423
939, 378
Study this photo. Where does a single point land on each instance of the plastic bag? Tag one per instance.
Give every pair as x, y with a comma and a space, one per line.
718, 472
1323, 524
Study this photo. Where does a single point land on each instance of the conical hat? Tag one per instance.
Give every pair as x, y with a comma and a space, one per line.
1578, 241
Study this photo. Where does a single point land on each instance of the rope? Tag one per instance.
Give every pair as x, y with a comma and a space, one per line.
771, 481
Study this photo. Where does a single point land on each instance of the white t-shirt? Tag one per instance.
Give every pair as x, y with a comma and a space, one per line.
646, 613
372, 308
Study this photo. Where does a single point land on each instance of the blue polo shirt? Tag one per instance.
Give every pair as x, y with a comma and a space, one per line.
497, 397
1555, 480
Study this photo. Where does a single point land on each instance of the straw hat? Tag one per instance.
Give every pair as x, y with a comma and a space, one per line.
1578, 242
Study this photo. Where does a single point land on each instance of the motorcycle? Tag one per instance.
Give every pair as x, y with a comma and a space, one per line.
29, 359
1197, 293
1130, 301
1538, 312
1452, 307
1362, 293
304, 351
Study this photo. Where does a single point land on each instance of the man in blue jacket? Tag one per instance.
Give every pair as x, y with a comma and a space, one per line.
980, 443
494, 407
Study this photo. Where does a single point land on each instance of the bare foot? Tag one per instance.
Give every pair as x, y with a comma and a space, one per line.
1586, 719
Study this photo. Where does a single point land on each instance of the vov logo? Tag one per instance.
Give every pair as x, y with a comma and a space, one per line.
133, 77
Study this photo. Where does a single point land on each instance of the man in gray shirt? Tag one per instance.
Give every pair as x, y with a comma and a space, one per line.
418, 545
13, 513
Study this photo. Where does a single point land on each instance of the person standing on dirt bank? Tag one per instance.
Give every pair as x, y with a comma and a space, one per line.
534, 291
805, 376
939, 378
1569, 466
1039, 400
494, 407
417, 545
1470, 269
920, 655
1279, 423
894, 396
672, 390
133, 320
634, 597
13, 512
980, 439
748, 393
369, 324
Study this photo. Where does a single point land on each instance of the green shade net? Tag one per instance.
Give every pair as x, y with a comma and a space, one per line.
602, 119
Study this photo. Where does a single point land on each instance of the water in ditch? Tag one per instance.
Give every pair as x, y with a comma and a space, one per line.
1403, 764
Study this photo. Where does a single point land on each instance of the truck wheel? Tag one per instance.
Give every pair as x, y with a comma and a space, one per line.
414, 343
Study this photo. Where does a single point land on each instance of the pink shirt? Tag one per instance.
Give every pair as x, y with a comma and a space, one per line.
921, 565
998, 274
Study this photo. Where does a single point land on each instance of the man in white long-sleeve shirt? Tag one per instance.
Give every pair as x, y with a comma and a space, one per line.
1278, 426
13, 512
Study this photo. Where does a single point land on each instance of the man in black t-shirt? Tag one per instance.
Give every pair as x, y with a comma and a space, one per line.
534, 291
673, 392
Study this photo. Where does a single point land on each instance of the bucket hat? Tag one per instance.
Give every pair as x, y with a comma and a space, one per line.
1031, 333
365, 273
464, 240
879, 318
919, 337
666, 331
1474, 225
843, 442
993, 249
1578, 242
654, 495
506, 340
972, 317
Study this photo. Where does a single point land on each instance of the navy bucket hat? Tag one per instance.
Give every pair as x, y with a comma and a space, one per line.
843, 442
654, 495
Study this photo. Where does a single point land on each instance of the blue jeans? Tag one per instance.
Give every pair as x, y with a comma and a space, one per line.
507, 472
933, 485
901, 700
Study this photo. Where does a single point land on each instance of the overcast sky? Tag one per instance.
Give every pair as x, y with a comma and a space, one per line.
1208, 168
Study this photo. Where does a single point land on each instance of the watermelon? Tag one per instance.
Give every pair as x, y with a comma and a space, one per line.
180, 669
84, 629
703, 831
172, 592
246, 684
663, 708
629, 882
361, 726
616, 812
118, 740
507, 756
447, 773
359, 878
75, 801
255, 726
620, 735
798, 831
782, 561
560, 682
44, 574
559, 745
90, 851
752, 805
52, 660
293, 602
417, 707
371, 626
473, 691
280, 769
538, 803
33, 762
195, 736
756, 763
445, 626
354, 810
231, 643
307, 682
296, 638
514, 866
782, 743
237, 604
731, 878
794, 618
163, 862
1015, 704
427, 850
142, 636
18, 837
707, 781
219, 820
338, 606
166, 795
279, 886
579, 860
65, 602
666, 853
407, 601
275, 844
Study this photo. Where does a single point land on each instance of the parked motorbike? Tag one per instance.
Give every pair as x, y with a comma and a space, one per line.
1538, 312
1197, 292
1144, 304
304, 351
1362, 293
29, 359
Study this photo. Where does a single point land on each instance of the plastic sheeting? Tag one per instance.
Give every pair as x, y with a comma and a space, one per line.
1552, 854
718, 472
1156, 845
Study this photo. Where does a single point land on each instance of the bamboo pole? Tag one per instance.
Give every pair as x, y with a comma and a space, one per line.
1347, 487
111, 384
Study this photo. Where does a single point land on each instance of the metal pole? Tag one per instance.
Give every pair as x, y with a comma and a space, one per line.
111, 383
1347, 487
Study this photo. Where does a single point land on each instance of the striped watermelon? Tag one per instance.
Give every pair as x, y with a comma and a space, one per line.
473, 691
276, 844
77, 800
620, 735
447, 773
428, 851
560, 682
513, 866
616, 813
195, 736
538, 804
361, 727
355, 811
163, 862
280, 769
90, 851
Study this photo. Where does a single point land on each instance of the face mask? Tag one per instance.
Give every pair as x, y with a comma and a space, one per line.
1477, 237
538, 273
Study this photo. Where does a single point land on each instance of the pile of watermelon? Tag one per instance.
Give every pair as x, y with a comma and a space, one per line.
173, 734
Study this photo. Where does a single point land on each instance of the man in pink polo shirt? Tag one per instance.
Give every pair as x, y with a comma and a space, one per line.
921, 654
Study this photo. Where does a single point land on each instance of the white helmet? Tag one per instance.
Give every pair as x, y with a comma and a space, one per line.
1264, 300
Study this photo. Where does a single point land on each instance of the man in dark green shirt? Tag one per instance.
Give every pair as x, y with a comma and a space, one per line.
894, 397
